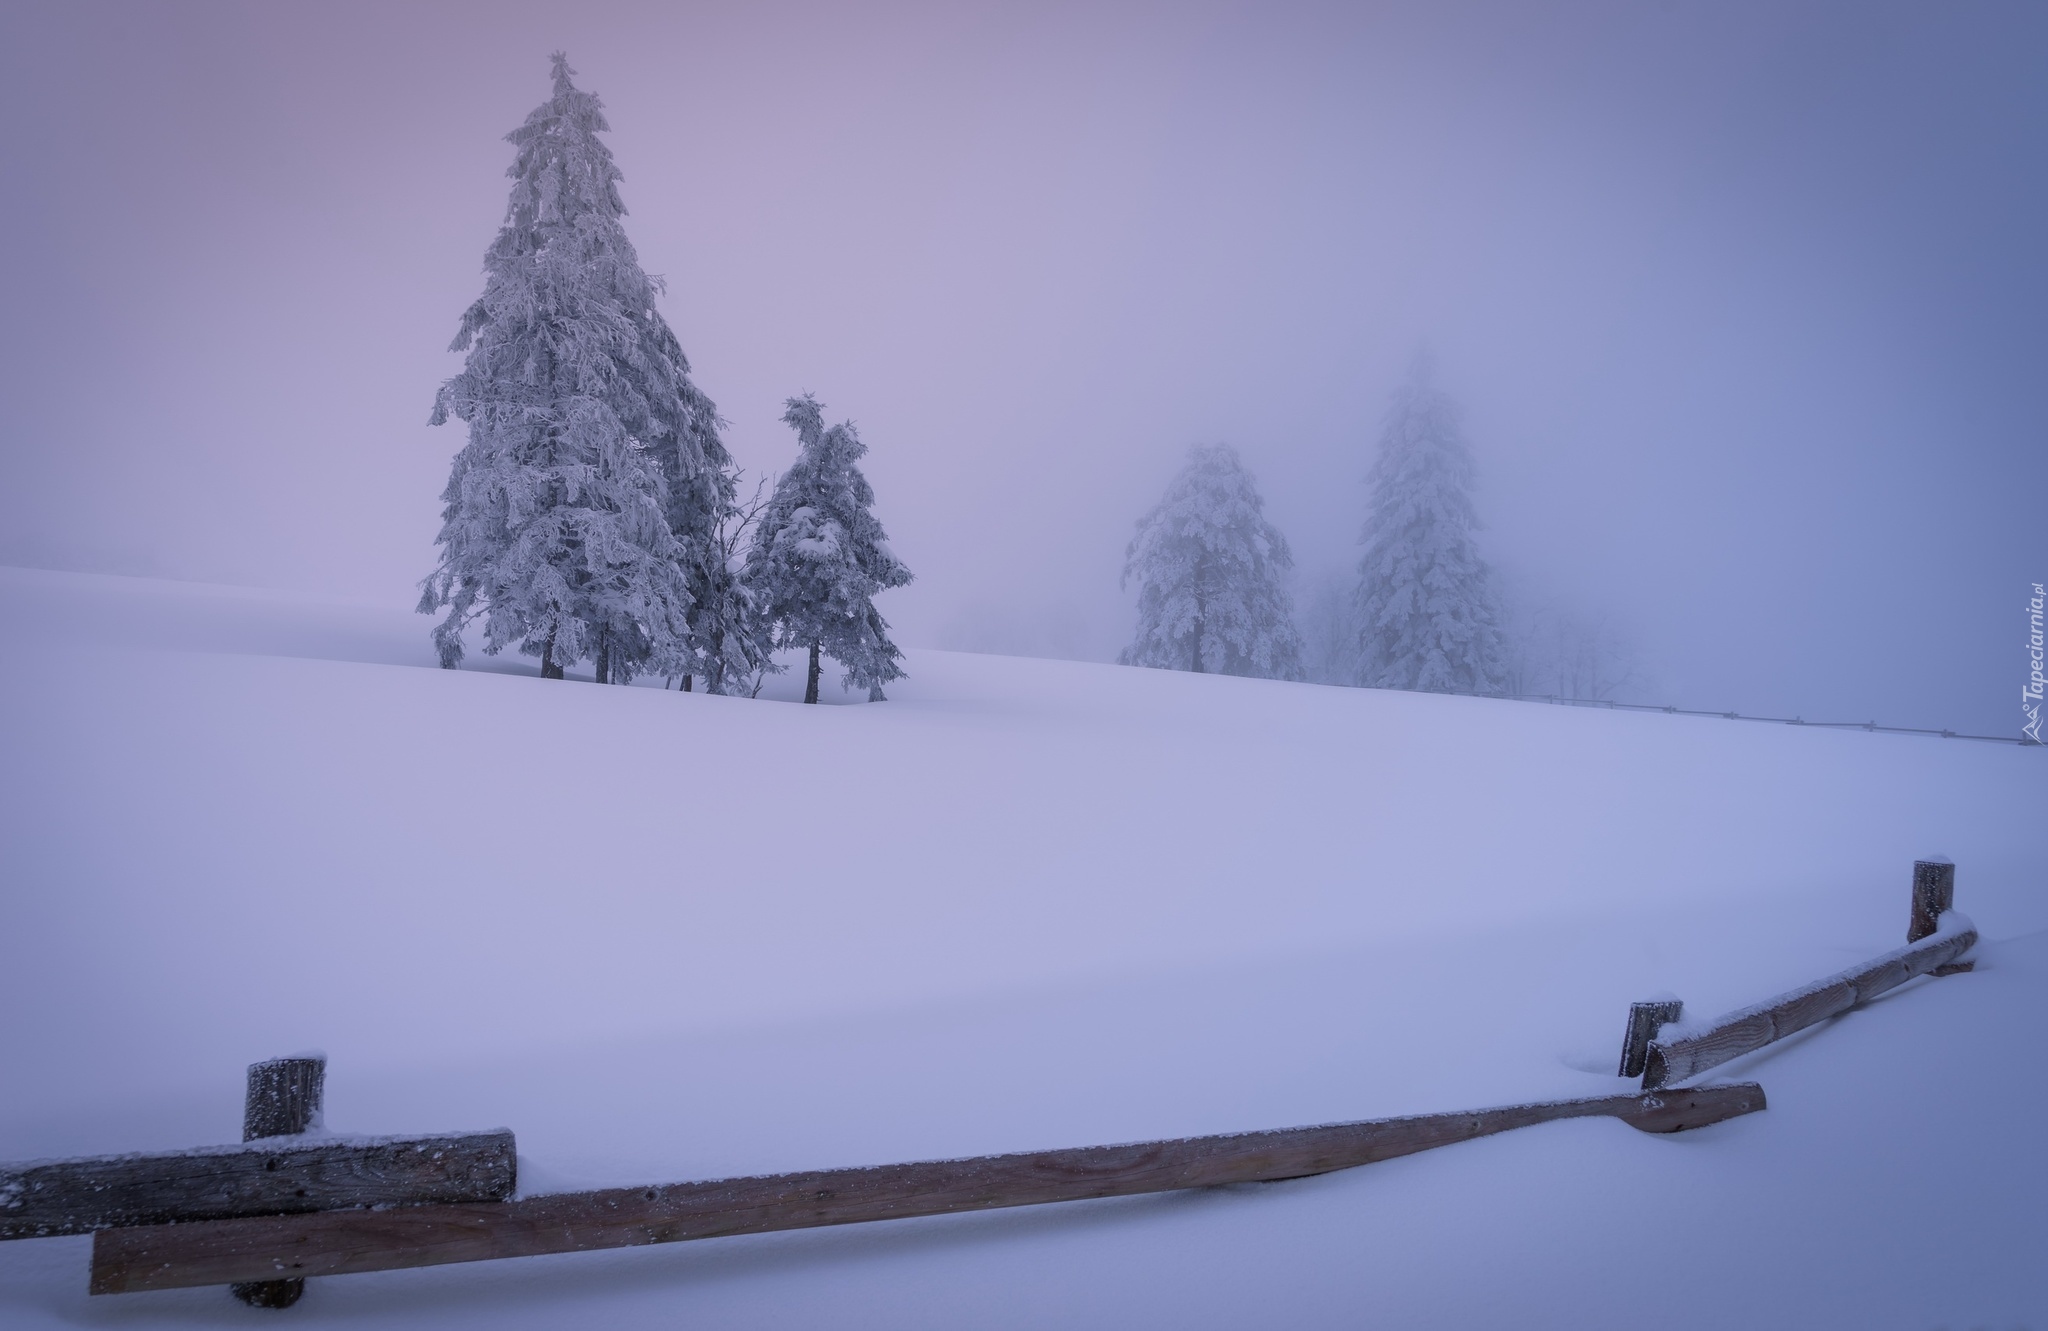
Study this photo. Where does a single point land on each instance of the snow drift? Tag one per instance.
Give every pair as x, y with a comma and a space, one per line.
1023, 904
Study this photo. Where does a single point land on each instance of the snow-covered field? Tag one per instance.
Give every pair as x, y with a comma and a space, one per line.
1022, 904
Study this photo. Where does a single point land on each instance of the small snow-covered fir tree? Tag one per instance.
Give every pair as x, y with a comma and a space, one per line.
580, 517
820, 555
1428, 619
1210, 572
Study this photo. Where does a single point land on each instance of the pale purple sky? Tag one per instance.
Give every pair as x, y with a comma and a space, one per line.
1744, 301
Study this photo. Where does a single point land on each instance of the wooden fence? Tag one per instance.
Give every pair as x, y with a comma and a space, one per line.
290, 1203
1930, 949
346, 1242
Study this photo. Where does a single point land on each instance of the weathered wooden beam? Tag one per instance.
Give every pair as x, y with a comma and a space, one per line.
269, 1177
283, 1100
347, 1242
1749, 1029
1644, 1021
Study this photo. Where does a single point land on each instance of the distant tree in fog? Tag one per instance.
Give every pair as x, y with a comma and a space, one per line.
1210, 572
1329, 630
581, 516
1555, 653
819, 556
1428, 618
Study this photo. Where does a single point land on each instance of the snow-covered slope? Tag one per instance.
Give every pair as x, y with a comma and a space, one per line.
1023, 904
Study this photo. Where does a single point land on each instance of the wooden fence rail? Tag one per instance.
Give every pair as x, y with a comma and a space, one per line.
269, 1177
1749, 1029
348, 1242
1931, 949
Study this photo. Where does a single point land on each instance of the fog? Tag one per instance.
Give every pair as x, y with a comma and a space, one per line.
1743, 303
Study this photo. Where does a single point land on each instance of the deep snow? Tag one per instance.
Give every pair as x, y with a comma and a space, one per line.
1023, 904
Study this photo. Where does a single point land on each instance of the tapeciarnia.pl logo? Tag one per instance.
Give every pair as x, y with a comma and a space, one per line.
2030, 696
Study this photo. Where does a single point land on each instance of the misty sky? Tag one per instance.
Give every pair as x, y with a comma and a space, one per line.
1744, 303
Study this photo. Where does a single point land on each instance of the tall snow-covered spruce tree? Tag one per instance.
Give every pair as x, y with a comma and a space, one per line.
1427, 614
581, 517
820, 555
1210, 572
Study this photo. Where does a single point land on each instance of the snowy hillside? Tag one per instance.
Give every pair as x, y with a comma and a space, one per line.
1022, 904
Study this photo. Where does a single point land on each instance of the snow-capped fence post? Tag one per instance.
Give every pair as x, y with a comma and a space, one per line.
1934, 892
1643, 1021
283, 1100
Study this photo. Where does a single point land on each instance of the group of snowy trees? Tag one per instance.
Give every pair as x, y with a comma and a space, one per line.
593, 513
1211, 571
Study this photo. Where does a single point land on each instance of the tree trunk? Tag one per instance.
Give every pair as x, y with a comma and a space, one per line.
811, 685
548, 668
604, 656
686, 683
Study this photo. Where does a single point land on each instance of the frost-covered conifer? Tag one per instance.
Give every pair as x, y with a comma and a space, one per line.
1428, 619
580, 517
1210, 570
820, 555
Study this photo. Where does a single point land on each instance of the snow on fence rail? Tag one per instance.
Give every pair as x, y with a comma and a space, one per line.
1751, 1028
1937, 936
265, 1216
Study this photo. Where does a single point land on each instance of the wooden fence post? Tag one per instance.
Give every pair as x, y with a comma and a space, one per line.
283, 1099
1643, 1021
1934, 891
